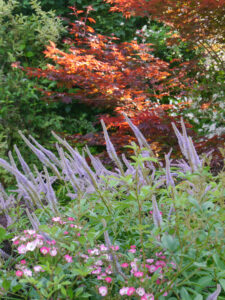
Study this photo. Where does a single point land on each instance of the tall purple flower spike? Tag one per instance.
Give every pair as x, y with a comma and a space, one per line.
215, 295
111, 150
187, 147
157, 218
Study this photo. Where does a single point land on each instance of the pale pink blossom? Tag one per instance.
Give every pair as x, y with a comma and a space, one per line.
103, 291
22, 249
56, 219
27, 272
103, 247
68, 258
132, 250
38, 269
53, 252
70, 219
65, 232
150, 260
31, 246
140, 291
123, 291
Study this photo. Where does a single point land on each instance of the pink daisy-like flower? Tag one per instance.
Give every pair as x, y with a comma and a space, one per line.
138, 274
70, 219
150, 260
108, 279
16, 242
140, 291
44, 250
27, 272
23, 262
53, 252
31, 246
56, 219
22, 249
123, 291
103, 291
130, 291
19, 273
38, 269
68, 258
103, 247
124, 265
132, 250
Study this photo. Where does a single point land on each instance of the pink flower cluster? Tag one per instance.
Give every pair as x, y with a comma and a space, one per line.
31, 240
102, 269
129, 291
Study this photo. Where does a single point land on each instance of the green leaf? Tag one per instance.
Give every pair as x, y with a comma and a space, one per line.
222, 282
29, 54
170, 243
205, 281
184, 294
6, 284
198, 297
2, 234
63, 291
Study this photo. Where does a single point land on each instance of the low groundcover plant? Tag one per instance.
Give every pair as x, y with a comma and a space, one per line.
141, 231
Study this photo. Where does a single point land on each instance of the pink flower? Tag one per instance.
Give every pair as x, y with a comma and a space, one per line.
123, 291
65, 232
124, 265
132, 246
56, 219
19, 273
152, 269
22, 249
23, 262
108, 279
16, 242
53, 251
68, 258
138, 274
140, 291
38, 242
130, 291
132, 250
150, 260
31, 246
27, 272
97, 271
70, 219
103, 291
44, 250
38, 269
103, 247
115, 248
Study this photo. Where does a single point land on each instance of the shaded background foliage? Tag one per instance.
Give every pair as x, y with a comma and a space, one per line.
26, 28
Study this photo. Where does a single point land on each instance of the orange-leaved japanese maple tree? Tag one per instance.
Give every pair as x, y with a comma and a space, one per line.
125, 77
200, 22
